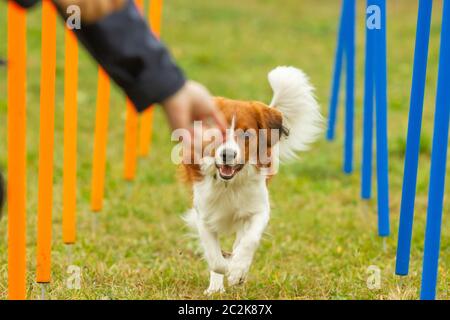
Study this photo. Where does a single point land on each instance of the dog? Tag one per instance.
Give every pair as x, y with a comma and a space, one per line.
230, 193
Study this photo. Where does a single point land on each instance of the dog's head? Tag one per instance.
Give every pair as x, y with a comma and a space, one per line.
254, 129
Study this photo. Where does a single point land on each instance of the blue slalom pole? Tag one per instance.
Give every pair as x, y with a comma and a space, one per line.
381, 124
366, 171
413, 137
337, 76
350, 90
438, 165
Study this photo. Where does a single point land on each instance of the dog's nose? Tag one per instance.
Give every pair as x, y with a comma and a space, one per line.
228, 155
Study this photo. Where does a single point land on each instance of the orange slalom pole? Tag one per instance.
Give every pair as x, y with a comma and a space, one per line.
70, 138
146, 129
131, 131
46, 144
100, 140
155, 16
140, 5
146, 132
17, 76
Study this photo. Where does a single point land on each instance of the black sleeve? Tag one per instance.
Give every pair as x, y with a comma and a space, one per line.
27, 3
140, 64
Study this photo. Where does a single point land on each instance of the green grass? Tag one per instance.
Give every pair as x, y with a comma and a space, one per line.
322, 237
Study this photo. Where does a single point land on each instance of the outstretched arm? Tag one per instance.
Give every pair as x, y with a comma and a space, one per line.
118, 37
122, 43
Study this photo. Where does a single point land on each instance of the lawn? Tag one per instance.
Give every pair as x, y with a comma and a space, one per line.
322, 238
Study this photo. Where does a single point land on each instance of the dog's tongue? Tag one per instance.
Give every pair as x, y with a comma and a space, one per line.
226, 170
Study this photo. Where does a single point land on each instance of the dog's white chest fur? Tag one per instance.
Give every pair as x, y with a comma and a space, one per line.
225, 206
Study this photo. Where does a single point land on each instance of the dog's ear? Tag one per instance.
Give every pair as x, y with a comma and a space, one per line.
272, 121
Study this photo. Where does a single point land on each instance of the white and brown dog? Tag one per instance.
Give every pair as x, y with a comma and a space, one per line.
230, 194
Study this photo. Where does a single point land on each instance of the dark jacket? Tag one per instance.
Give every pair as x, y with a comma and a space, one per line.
124, 46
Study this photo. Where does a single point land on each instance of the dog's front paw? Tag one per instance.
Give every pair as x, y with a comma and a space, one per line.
215, 284
237, 272
213, 289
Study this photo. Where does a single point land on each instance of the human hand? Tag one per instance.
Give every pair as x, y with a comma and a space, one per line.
193, 103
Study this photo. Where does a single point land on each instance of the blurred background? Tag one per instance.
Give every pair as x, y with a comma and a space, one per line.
321, 238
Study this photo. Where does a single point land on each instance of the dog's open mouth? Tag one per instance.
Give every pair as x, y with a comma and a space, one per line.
227, 172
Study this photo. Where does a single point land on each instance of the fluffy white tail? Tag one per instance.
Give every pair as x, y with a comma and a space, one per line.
294, 98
